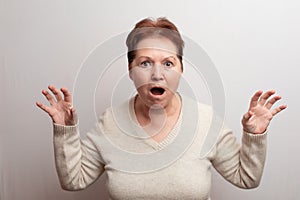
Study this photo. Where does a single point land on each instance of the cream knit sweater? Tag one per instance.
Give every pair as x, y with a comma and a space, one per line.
139, 168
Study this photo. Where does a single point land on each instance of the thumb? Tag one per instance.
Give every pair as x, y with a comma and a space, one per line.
74, 116
247, 116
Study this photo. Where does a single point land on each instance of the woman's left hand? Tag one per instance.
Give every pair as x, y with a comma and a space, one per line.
259, 115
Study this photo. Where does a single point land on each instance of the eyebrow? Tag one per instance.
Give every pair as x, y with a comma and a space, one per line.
172, 57
147, 57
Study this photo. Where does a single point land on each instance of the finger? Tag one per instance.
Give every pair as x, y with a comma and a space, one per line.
74, 116
278, 109
67, 95
265, 96
255, 98
48, 97
43, 107
247, 116
271, 102
55, 92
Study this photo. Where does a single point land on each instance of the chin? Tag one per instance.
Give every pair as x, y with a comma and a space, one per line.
156, 96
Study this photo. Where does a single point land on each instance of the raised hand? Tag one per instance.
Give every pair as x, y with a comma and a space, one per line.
259, 115
60, 110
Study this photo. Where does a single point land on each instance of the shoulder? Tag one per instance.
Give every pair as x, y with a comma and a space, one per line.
211, 125
113, 111
197, 108
115, 117
205, 109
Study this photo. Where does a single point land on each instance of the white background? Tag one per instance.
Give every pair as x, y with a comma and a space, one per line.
253, 44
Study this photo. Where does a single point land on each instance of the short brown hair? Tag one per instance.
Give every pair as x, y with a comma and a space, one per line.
148, 28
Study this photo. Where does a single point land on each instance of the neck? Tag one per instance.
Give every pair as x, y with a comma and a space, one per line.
157, 111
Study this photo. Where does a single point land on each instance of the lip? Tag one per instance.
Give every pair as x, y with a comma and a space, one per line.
158, 96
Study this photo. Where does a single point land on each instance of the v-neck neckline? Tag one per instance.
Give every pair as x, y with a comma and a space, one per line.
146, 137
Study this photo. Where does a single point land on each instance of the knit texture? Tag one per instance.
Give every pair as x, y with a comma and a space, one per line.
79, 162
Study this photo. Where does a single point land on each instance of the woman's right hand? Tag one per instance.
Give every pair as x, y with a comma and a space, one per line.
61, 109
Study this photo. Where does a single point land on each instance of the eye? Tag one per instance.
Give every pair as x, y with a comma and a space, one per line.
146, 64
168, 64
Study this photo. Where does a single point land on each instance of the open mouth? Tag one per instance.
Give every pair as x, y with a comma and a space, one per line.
157, 91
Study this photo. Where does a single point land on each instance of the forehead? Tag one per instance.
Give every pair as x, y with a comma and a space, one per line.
158, 44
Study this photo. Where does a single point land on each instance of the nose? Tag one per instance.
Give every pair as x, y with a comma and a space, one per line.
157, 73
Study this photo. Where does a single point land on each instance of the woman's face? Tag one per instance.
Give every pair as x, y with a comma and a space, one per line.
156, 71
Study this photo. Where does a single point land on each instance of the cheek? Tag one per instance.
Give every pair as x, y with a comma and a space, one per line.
140, 77
173, 79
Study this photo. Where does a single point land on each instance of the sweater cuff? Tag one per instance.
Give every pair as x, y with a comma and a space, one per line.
62, 130
254, 138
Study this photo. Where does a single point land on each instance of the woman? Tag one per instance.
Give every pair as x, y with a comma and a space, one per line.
155, 66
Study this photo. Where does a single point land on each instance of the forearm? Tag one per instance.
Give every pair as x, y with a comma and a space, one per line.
252, 156
242, 165
77, 162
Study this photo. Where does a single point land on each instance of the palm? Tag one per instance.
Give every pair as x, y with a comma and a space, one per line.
60, 112
259, 115
60, 109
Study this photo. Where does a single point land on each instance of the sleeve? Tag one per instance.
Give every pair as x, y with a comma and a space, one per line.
78, 162
241, 164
